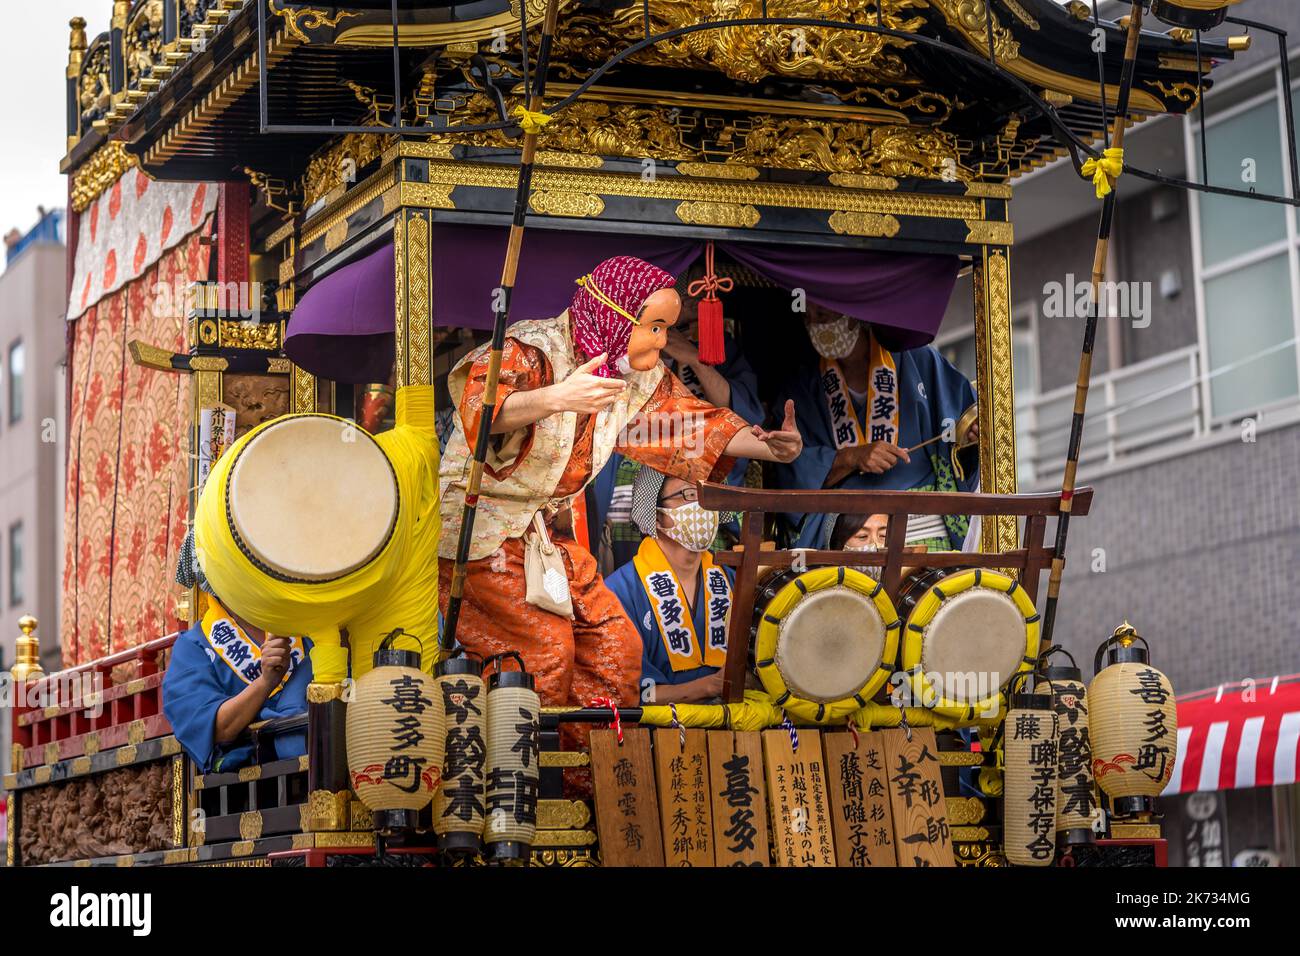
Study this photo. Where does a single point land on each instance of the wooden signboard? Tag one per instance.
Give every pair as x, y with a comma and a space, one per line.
627, 813
921, 834
860, 807
796, 788
739, 798
685, 809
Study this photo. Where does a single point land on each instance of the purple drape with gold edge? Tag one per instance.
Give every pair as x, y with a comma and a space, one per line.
342, 327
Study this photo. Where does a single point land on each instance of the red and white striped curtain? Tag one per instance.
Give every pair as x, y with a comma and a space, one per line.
1238, 735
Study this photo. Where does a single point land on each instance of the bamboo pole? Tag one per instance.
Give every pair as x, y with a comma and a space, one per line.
1090, 330
500, 319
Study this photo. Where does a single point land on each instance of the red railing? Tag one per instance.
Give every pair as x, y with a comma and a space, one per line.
81, 710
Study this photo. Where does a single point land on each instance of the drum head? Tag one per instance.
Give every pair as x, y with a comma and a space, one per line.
830, 644
311, 498
974, 644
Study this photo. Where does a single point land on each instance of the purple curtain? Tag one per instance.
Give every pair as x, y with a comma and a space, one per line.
343, 327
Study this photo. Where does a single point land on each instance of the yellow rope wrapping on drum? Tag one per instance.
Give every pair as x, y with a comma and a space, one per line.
923, 689
769, 632
398, 588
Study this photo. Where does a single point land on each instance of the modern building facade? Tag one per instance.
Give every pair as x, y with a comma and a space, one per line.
33, 300
1193, 431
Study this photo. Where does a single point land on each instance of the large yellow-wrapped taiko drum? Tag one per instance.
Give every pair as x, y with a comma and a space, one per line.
310, 525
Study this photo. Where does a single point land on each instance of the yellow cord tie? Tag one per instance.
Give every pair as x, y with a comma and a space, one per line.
1105, 171
588, 283
530, 121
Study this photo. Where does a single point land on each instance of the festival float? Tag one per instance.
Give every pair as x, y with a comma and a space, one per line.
396, 182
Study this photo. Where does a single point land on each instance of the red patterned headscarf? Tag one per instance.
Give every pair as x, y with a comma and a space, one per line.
621, 283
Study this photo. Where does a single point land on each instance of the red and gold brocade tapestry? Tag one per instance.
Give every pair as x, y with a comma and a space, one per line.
128, 473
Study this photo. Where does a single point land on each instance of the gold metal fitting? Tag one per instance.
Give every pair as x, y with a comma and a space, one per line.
27, 651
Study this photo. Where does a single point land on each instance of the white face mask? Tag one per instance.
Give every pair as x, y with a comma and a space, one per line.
835, 340
694, 527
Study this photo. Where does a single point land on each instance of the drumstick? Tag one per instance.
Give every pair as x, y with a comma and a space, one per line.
531, 124
928, 441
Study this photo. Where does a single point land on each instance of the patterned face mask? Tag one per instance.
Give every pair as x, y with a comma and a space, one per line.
835, 340
694, 527
872, 572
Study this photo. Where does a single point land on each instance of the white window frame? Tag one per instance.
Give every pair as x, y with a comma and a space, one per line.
1290, 244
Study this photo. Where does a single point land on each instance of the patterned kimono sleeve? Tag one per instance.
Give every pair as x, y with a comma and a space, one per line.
523, 368
681, 435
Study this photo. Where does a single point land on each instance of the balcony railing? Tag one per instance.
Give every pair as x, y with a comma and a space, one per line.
1133, 409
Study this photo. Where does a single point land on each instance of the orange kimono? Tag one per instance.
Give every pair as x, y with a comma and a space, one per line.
598, 653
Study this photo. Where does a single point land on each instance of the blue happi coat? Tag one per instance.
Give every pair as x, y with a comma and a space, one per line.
198, 682
655, 667
930, 390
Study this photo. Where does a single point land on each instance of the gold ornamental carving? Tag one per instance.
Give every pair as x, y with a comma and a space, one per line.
553, 203
401, 318
327, 810
304, 400
640, 131
989, 232
300, 19
992, 286
178, 802
705, 213
863, 224
971, 16
965, 811
717, 170
250, 825
318, 693
336, 234
751, 53
419, 316
99, 172
250, 335
428, 195
563, 758
556, 157
862, 181
337, 164
553, 838
562, 814
565, 858
683, 188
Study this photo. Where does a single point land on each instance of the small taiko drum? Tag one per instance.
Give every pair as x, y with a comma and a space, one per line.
340, 510
825, 641
969, 632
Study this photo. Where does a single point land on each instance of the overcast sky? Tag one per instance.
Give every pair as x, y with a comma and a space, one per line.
33, 57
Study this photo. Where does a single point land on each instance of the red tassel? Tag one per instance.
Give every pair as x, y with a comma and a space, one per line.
713, 347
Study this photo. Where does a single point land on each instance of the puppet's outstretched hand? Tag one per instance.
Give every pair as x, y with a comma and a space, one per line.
784, 444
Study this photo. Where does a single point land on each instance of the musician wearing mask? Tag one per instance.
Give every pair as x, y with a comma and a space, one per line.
860, 409
674, 594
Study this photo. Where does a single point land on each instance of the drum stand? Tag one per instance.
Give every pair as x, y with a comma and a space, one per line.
1025, 563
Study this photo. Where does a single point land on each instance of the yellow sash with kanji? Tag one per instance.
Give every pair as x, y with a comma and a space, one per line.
685, 649
882, 400
229, 642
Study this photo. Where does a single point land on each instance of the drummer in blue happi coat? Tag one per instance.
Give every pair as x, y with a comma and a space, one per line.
225, 674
